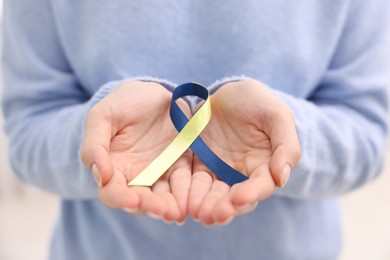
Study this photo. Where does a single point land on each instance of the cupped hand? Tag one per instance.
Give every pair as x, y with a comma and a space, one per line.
126, 131
254, 132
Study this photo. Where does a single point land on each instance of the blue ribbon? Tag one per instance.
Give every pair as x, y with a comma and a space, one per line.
225, 172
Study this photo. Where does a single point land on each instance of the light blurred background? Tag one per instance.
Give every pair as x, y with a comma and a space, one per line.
27, 216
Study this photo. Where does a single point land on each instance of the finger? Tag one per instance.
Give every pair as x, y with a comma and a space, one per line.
161, 188
151, 203
96, 144
218, 191
201, 182
180, 182
116, 194
224, 211
259, 186
134, 212
285, 146
135, 200
247, 208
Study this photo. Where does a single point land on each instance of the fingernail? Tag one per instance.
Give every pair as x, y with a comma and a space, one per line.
154, 216
96, 175
227, 221
180, 223
208, 225
130, 211
167, 221
246, 208
285, 175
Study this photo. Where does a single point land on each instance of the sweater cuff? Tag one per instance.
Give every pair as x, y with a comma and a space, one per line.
194, 102
107, 88
219, 83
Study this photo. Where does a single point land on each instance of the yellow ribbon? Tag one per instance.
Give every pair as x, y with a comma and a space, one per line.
176, 148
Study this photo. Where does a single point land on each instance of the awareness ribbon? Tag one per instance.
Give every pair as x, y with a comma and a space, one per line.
189, 136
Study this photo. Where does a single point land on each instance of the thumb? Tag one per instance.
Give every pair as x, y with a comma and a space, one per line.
285, 146
96, 145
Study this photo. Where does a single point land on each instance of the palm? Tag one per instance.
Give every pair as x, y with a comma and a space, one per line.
236, 140
135, 146
253, 132
133, 130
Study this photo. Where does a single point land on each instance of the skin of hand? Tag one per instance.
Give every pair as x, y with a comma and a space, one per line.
254, 132
126, 131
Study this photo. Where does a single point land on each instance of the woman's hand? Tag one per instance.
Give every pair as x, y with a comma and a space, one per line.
254, 132
126, 131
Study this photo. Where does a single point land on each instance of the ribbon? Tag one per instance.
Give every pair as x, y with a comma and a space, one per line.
188, 136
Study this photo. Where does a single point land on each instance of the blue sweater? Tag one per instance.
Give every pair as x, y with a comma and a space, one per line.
327, 60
